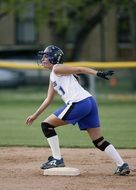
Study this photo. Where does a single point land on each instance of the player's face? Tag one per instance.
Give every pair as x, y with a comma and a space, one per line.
45, 62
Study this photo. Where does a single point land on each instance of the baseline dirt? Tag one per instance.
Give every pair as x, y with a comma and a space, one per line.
19, 169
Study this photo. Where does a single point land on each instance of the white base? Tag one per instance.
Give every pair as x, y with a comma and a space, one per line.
67, 171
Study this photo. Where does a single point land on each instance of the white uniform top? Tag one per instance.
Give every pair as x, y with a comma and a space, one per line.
68, 88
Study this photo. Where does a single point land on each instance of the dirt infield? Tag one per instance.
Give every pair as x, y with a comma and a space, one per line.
19, 169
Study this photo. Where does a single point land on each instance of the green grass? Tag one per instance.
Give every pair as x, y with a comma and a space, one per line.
118, 119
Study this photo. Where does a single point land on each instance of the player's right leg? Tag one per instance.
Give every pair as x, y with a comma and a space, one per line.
109, 149
92, 124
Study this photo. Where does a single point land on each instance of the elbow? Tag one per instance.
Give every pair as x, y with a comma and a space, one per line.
48, 101
79, 70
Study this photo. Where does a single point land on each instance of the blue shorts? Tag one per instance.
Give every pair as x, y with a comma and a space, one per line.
84, 113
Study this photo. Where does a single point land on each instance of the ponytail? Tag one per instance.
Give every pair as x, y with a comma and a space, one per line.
77, 77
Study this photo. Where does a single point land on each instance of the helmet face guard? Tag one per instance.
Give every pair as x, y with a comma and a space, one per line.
53, 53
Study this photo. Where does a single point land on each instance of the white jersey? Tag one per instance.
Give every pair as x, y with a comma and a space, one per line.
68, 88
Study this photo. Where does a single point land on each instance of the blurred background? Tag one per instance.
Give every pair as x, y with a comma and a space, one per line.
87, 30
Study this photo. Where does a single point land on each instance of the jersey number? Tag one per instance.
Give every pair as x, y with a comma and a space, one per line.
61, 90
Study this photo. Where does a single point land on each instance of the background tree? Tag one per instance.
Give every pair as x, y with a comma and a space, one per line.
70, 21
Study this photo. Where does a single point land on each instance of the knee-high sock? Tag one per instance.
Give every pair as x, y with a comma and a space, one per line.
112, 153
54, 145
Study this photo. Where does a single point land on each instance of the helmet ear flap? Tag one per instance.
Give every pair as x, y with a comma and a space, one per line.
58, 58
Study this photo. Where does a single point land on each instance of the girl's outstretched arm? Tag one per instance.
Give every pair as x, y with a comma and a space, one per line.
66, 70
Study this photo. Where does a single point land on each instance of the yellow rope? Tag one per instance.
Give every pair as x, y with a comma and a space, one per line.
102, 65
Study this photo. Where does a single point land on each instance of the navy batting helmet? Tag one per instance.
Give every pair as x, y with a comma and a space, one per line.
54, 54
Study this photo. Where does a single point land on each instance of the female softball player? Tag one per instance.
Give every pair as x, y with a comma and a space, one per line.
80, 108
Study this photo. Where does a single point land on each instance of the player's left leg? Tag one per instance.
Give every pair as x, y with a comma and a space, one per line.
99, 141
48, 128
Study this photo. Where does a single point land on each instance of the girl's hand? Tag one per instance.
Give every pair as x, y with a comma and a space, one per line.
105, 74
30, 119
